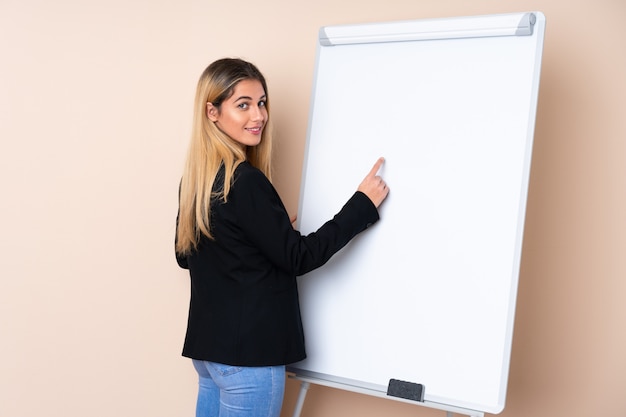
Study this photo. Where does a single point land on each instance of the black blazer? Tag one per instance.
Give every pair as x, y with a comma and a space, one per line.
244, 307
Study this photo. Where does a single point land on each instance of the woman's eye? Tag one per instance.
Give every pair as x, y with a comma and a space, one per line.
262, 103
243, 106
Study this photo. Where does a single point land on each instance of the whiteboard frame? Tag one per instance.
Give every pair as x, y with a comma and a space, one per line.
516, 24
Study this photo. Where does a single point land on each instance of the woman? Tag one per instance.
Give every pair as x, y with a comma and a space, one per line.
235, 237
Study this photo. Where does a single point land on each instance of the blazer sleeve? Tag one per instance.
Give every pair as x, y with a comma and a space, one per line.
180, 259
265, 222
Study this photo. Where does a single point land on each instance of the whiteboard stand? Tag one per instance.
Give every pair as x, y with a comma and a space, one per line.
306, 381
304, 388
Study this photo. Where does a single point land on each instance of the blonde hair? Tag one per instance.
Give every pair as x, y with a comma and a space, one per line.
210, 148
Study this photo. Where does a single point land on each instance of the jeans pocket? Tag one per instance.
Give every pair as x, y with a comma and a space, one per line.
225, 370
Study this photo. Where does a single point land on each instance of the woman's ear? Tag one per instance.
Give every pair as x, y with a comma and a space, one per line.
211, 112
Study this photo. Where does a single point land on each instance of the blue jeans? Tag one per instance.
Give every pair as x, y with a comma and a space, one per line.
236, 391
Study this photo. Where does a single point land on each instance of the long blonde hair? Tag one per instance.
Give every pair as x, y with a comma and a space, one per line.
210, 148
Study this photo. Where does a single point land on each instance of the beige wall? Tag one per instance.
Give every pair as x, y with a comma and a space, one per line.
95, 105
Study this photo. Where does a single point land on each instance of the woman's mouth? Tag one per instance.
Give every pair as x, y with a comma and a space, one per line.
255, 130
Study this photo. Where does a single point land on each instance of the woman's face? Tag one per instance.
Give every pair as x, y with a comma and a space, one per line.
243, 115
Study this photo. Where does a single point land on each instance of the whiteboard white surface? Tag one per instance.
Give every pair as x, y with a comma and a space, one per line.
426, 295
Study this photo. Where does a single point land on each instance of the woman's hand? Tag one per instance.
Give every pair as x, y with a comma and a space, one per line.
373, 185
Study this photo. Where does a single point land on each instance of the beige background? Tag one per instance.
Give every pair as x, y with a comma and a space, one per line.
95, 109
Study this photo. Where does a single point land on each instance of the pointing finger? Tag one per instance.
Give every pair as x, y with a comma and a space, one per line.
376, 167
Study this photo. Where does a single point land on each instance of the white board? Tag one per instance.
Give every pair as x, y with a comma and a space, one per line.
427, 295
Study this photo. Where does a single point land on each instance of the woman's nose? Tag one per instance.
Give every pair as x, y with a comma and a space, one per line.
257, 113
